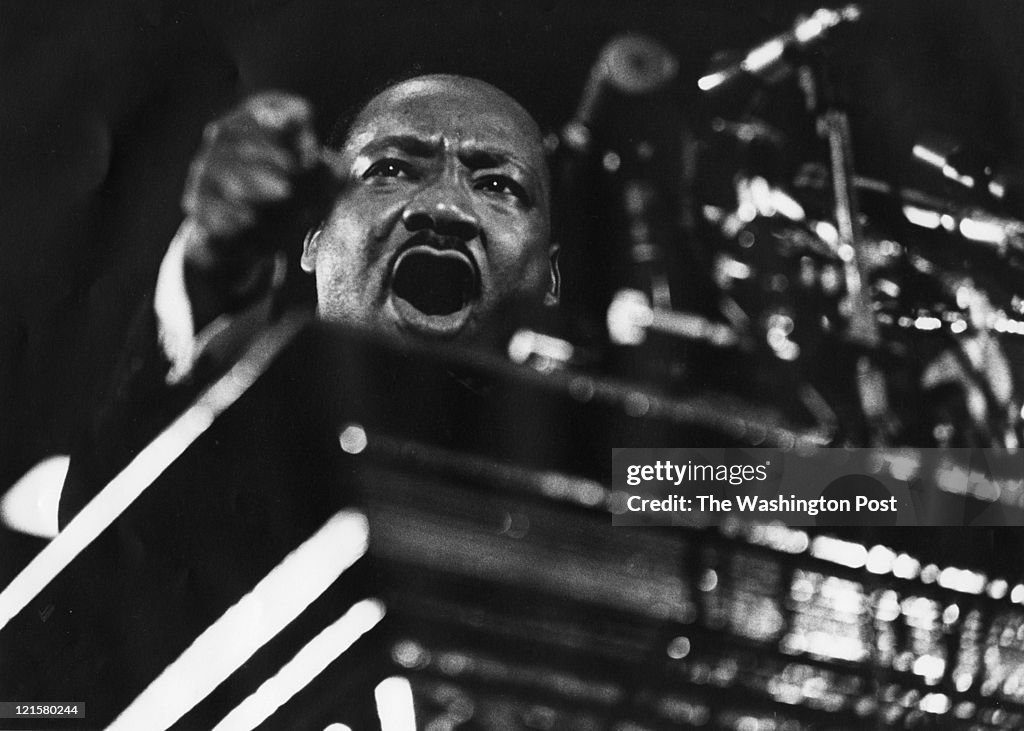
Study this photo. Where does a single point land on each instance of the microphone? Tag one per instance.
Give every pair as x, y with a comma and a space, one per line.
766, 60
631, 64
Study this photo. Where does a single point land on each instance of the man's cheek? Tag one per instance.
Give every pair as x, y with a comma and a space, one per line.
535, 275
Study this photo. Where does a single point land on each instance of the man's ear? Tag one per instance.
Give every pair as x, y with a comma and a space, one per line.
309, 250
554, 293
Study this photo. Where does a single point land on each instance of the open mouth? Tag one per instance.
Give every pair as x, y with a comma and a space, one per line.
433, 288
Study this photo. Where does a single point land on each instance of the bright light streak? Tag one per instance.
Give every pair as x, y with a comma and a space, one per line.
30, 506
735, 269
841, 552
764, 55
525, 344
929, 667
983, 231
998, 588
629, 316
922, 217
950, 614
302, 669
809, 29
929, 156
880, 560
827, 232
936, 703
920, 609
930, 573
395, 705
143, 470
888, 607
826, 644
963, 580
709, 82
254, 620
905, 567
787, 206
779, 538
953, 174
761, 196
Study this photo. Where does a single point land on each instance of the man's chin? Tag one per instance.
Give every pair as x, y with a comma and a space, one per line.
415, 322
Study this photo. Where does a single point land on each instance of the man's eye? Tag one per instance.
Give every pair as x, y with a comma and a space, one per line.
502, 185
390, 168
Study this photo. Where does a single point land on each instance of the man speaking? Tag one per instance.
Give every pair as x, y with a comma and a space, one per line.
441, 218
426, 218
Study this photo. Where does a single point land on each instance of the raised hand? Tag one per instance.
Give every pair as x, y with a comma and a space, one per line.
257, 184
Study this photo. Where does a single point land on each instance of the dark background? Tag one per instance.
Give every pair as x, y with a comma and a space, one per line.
102, 106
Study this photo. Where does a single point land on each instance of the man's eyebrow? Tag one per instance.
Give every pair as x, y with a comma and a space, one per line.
483, 156
409, 144
474, 155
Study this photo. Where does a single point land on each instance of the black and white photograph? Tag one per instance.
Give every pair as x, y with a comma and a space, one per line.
542, 365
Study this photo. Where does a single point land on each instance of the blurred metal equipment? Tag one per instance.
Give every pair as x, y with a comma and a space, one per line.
974, 171
631, 73
767, 59
757, 198
631, 65
630, 317
842, 320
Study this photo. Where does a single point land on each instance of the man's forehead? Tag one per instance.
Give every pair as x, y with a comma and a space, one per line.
450, 106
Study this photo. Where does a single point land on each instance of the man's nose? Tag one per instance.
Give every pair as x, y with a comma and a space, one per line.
444, 209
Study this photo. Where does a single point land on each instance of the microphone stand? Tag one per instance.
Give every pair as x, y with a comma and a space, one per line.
832, 123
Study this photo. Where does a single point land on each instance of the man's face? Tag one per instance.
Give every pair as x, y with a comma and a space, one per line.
444, 219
